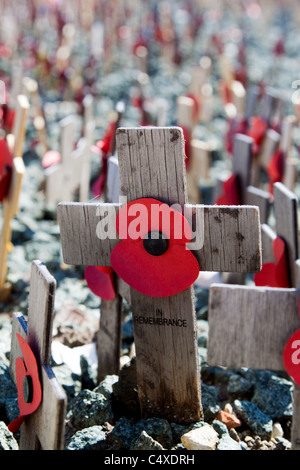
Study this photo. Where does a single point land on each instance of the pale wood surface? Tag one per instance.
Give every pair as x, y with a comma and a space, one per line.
258, 197
109, 337
250, 326
152, 164
73, 172
44, 429
230, 235
267, 238
113, 190
19, 128
286, 216
10, 209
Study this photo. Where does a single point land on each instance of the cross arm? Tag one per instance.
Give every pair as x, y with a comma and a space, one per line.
250, 326
227, 238
81, 228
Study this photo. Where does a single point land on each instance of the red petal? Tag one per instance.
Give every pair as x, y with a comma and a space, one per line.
275, 274
100, 281
291, 357
230, 196
25, 367
141, 216
155, 276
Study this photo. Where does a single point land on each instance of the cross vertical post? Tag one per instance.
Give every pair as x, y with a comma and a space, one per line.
43, 429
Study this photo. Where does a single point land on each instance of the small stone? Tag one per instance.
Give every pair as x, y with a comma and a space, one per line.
210, 401
260, 423
227, 443
106, 386
229, 419
277, 431
89, 409
204, 438
219, 427
145, 442
7, 440
92, 438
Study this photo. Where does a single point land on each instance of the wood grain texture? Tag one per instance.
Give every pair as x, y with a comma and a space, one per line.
229, 236
286, 216
258, 197
267, 238
109, 337
152, 164
79, 224
250, 326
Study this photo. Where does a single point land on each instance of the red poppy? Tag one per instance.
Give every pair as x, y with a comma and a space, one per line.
257, 131
6, 163
231, 192
291, 356
100, 281
26, 373
153, 257
275, 274
275, 169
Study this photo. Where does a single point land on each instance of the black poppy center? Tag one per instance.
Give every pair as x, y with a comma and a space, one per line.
155, 243
27, 389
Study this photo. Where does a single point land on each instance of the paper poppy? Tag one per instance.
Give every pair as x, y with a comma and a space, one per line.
231, 192
257, 130
100, 281
6, 162
291, 357
28, 384
152, 256
275, 169
275, 274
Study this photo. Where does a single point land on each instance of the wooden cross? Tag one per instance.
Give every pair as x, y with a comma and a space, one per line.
72, 173
10, 206
152, 164
241, 167
250, 326
43, 429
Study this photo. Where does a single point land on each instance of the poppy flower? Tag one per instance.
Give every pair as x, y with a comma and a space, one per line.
28, 384
275, 169
291, 356
257, 130
275, 274
100, 280
231, 193
6, 162
152, 256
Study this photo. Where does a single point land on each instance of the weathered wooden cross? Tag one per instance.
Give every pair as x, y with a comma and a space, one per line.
250, 326
44, 428
10, 204
152, 165
73, 172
